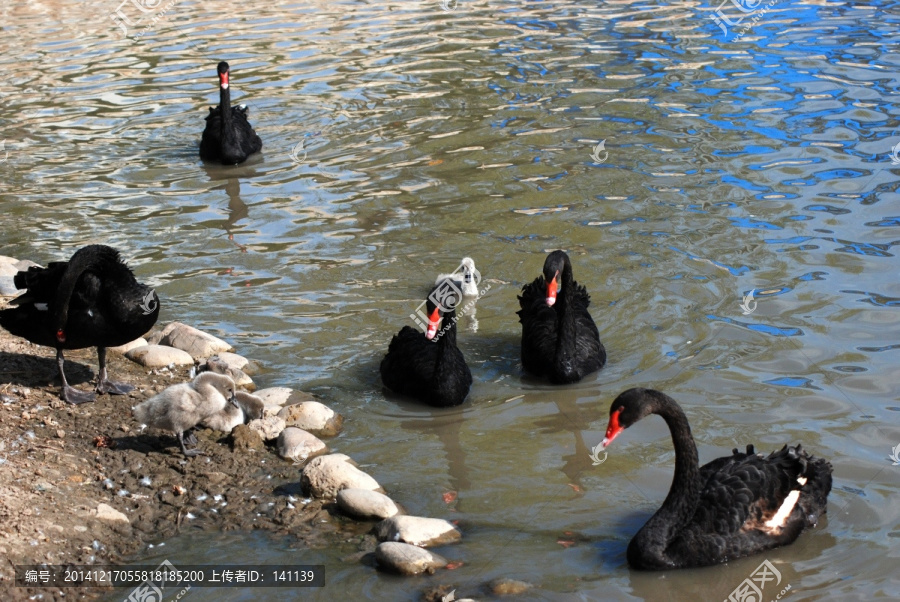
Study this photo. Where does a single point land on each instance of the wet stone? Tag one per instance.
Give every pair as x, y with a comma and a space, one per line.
326, 475
509, 587
199, 344
243, 438
365, 504
236, 362
268, 427
312, 416
298, 445
406, 559
417, 530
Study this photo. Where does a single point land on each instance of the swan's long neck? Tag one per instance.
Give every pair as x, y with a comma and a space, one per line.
684, 494
225, 104
448, 339
81, 262
565, 325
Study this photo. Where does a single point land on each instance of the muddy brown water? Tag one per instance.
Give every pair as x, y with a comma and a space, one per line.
400, 137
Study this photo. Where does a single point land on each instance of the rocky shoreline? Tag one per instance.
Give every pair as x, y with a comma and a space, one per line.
86, 484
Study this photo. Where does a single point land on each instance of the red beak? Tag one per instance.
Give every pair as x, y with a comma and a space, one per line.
552, 289
223, 79
61, 335
613, 429
433, 321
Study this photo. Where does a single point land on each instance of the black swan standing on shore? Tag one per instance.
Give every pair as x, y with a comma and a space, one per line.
559, 337
92, 300
735, 506
228, 136
432, 371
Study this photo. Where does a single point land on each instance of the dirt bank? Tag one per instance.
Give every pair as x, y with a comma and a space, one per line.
59, 462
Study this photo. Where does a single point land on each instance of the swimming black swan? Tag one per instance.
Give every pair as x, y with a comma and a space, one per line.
228, 136
559, 337
92, 300
428, 366
732, 507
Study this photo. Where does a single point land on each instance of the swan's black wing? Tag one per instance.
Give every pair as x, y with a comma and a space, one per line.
739, 500
211, 141
105, 308
233, 148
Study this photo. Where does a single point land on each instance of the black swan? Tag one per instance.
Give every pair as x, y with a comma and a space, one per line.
559, 337
428, 366
228, 136
92, 300
732, 507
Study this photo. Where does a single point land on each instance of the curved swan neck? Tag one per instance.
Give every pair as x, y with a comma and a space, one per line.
684, 492
81, 261
447, 340
565, 317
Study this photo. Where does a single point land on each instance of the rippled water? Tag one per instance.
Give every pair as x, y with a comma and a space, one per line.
399, 137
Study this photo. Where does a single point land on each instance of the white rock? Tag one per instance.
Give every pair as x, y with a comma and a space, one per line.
8, 287
6, 259
326, 475
156, 356
123, 349
417, 530
277, 397
274, 397
199, 344
366, 504
405, 559
236, 362
8, 269
312, 416
298, 445
24, 264
268, 427
106, 512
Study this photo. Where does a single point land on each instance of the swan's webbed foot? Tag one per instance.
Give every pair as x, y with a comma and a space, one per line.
70, 394
74, 396
190, 438
104, 385
190, 453
108, 386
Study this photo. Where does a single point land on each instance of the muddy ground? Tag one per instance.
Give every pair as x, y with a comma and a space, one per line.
58, 462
